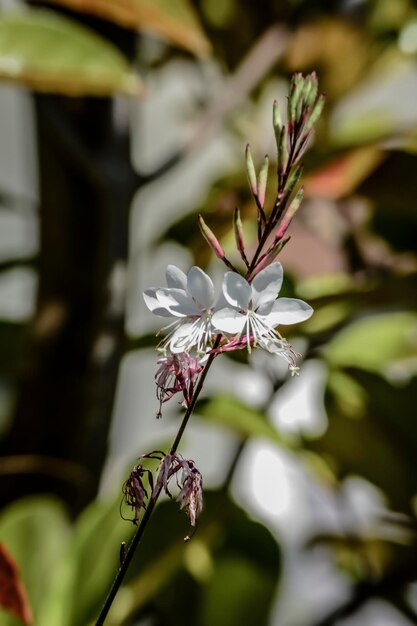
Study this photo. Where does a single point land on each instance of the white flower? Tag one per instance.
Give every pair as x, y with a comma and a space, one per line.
255, 310
190, 299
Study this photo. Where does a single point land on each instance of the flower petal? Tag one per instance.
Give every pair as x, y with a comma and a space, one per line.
200, 287
229, 321
176, 278
288, 311
153, 303
178, 302
267, 284
237, 290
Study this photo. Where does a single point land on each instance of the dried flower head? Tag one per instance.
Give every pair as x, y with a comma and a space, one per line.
176, 373
190, 484
134, 491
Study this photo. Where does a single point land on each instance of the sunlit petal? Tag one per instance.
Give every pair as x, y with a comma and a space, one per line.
288, 311
267, 284
200, 287
229, 321
178, 302
237, 290
176, 278
153, 303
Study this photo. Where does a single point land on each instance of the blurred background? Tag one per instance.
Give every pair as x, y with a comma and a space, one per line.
119, 122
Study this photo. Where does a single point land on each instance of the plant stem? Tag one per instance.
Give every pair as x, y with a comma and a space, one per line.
154, 498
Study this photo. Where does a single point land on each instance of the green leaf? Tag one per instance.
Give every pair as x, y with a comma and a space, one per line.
175, 20
36, 531
99, 532
227, 411
377, 344
239, 593
49, 52
381, 445
9, 620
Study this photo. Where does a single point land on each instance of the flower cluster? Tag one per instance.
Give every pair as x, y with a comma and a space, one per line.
248, 311
245, 314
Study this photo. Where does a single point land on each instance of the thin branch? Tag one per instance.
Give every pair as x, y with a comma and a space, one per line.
154, 498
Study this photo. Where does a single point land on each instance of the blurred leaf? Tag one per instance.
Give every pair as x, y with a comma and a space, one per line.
349, 396
229, 412
381, 106
99, 532
239, 593
174, 20
328, 316
381, 445
35, 531
244, 576
12, 592
342, 175
376, 342
6, 619
325, 285
339, 47
392, 189
51, 53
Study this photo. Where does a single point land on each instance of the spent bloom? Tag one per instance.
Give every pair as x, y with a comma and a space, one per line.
255, 311
134, 491
190, 483
189, 299
176, 372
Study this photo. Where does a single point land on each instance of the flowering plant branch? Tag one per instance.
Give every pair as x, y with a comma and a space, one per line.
245, 315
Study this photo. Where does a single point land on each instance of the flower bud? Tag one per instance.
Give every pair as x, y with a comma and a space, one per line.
211, 238
250, 168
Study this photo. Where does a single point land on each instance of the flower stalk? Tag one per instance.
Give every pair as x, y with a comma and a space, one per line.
244, 316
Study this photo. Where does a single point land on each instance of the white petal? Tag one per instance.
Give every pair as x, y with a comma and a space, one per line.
200, 287
176, 277
153, 303
178, 302
237, 290
229, 321
266, 285
288, 311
